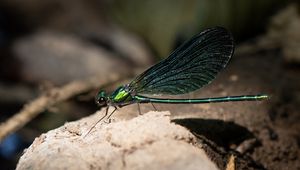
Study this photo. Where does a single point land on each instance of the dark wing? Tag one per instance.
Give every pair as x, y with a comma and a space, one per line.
191, 66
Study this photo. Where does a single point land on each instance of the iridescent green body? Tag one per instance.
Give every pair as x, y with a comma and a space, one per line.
191, 66
143, 99
122, 97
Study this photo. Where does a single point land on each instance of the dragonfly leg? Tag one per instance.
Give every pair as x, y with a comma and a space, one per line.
106, 111
139, 108
108, 117
154, 107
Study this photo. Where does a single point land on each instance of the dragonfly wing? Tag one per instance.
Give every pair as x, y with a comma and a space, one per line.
191, 66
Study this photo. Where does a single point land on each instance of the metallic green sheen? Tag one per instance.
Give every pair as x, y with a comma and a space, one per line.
120, 96
191, 66
143, 99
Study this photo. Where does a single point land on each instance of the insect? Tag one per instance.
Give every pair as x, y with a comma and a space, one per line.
191, 66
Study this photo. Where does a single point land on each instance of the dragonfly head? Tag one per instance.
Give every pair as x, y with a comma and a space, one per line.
101, 98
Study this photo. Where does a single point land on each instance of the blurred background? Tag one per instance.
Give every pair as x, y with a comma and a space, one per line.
50, 43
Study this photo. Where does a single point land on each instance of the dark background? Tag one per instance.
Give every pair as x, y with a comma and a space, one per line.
50, 43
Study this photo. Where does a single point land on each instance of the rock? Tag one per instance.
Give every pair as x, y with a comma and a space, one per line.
61, 58
150, 141
284, 29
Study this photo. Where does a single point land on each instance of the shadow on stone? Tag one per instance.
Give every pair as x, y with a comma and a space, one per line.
222, 133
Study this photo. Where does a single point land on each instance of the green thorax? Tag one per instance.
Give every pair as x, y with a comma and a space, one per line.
121, 95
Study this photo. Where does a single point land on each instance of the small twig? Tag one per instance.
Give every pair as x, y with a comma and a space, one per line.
54, 96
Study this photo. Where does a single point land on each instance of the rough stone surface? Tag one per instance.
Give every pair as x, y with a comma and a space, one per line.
150, 141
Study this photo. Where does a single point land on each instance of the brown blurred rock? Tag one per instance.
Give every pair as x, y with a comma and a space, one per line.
284, 29
61, 58
89, 20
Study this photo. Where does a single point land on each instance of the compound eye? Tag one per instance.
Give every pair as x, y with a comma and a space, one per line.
101, 101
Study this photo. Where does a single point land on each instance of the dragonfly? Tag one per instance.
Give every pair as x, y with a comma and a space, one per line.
191, 66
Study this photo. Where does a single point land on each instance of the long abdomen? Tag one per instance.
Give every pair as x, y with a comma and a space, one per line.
143, 99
